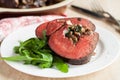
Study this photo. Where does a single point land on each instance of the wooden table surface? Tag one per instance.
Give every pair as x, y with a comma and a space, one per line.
111, 72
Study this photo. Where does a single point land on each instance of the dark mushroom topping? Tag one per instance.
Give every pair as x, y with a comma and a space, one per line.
76, 31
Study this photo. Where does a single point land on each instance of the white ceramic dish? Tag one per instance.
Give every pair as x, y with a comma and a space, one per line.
107, 51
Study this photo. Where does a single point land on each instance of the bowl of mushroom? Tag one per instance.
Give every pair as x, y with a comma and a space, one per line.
32, 7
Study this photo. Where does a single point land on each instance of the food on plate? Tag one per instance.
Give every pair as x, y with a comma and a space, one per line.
59, 41
73, 39
35, 51
27, 3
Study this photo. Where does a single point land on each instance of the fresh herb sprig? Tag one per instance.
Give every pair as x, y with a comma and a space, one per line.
36, 52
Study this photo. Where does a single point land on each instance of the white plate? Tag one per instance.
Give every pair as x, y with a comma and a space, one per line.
107, 51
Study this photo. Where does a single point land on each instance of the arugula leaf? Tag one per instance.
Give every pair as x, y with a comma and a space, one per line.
44, 35
37, 52
16, 49
60, 64
45, 65
16, 58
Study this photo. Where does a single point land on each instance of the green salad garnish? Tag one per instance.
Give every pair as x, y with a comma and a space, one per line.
36, 52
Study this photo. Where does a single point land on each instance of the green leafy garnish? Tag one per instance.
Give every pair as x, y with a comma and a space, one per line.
16, 58
36, 52
60, 65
